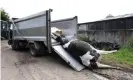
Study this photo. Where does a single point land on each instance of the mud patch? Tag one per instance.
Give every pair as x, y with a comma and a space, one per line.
114, 74
25, 59
27, 62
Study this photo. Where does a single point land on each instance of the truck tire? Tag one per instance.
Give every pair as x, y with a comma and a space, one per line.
41, 50
34, 52
15, 45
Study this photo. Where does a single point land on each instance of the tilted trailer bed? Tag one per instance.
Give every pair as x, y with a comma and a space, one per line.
35, 32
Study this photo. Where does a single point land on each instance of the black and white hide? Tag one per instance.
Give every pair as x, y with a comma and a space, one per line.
86, 54
82, 51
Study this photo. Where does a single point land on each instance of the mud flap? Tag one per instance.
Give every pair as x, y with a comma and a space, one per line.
67, 57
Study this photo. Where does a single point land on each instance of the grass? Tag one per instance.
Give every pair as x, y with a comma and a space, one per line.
83, 38
122, 58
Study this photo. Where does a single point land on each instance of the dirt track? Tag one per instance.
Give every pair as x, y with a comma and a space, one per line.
20, 65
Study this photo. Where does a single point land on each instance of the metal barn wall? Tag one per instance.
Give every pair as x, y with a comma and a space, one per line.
113, 31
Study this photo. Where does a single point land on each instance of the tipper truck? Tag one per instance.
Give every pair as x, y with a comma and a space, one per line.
34, 32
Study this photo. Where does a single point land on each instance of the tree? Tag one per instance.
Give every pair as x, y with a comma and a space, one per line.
4, 15
4, 24
109, 16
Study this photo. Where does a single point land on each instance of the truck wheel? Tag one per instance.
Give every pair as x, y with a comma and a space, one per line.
34, 52
15, 45
42, 49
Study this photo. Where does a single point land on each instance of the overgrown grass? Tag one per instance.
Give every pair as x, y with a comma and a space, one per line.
122, 58
83, 38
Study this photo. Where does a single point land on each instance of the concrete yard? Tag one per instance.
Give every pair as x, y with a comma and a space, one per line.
20, 65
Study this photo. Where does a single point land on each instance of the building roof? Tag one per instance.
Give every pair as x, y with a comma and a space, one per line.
119, 16
112, 18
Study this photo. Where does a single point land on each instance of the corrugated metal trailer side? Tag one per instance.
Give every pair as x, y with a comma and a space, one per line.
31, 29
68, 26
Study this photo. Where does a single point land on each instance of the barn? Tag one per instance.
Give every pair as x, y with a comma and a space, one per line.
116, 30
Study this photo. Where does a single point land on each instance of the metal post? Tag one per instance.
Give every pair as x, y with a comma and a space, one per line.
48, 29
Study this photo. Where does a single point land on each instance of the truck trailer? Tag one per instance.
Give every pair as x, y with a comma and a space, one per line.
34, 32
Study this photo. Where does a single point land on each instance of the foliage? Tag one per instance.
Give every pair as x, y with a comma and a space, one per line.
109, 16
123, 58
4, 15
130, 42
83, 38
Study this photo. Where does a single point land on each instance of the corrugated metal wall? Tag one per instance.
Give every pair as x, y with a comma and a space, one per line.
113, 31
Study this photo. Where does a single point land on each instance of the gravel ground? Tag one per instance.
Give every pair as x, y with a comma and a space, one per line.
114, 74
20, 65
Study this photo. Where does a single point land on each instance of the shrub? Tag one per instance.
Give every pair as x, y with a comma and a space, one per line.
130, 43
83, 38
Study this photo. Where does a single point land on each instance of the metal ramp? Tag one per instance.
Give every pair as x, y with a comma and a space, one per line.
69, 28
67, 57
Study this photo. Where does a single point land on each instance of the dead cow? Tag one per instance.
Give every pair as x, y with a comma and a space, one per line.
82, 51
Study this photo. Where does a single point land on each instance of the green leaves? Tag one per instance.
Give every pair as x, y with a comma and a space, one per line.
130, 42
4, 15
